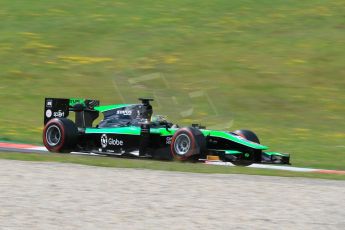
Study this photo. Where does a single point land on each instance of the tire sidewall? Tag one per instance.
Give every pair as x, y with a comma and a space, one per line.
58, 123
192, 150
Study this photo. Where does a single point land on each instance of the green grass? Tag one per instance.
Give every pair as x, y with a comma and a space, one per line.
273, 66
159, 165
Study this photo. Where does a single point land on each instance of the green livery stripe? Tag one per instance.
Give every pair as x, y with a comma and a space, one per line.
164, 131
105, 108
234, 138
220, 134
74, 101
135, 130
232, 152
276, 154
226, 151
131, 130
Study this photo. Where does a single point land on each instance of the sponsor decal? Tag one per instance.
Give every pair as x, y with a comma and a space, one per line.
75, 101
49, 113
112, 141
59, 114
105, 141
168, 140
49, 103
124, 112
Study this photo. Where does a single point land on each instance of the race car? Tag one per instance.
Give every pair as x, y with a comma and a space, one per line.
131, 130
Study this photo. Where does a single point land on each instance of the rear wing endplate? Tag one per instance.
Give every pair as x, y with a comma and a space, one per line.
60, 108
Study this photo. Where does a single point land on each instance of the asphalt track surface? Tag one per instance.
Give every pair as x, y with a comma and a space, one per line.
42, 195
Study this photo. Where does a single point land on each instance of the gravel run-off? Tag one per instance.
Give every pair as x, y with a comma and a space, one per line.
35, 195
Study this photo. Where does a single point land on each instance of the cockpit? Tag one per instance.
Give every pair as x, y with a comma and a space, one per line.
124, 116
132, 115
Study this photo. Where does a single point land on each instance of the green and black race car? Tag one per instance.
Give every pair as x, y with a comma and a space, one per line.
130, 130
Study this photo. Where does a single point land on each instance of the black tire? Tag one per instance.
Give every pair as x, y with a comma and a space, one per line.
187, 143
247, 134
253, 155
60, 135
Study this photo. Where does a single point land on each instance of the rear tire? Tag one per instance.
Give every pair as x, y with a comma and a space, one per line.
60, 135
187, 143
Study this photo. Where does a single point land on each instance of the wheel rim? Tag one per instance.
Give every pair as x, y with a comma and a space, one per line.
53, 135
182, 144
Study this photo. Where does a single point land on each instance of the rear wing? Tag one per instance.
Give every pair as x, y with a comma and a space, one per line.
60, 108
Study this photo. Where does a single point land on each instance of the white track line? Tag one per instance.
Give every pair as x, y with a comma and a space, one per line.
221, 163
260, 166
265, 166
38, 148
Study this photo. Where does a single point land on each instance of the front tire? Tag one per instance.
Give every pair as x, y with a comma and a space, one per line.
247, 134
187, 143
251, 155
60, 135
